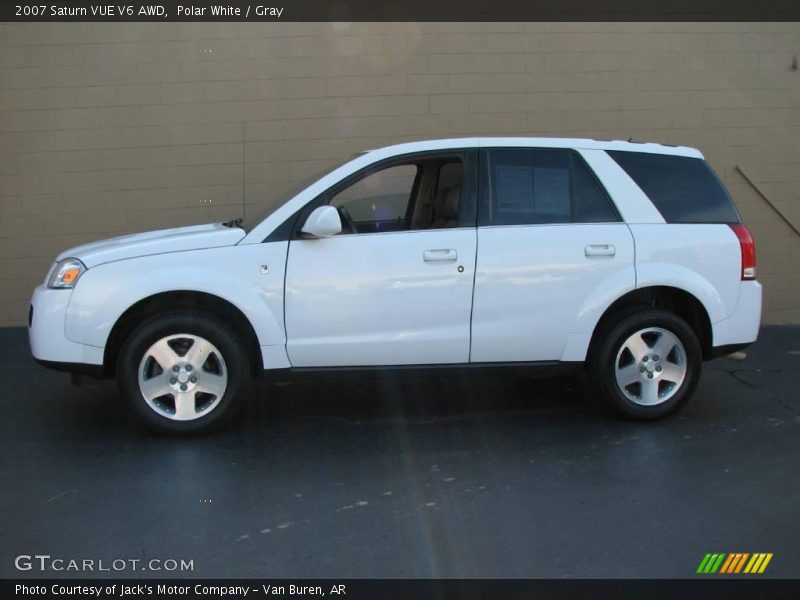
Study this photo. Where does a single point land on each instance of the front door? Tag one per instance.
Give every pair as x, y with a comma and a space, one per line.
395, 287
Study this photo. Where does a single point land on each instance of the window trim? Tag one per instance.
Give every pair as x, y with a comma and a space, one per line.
485, 199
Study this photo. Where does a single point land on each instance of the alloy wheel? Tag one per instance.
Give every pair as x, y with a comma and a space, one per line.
650, 366
182, 377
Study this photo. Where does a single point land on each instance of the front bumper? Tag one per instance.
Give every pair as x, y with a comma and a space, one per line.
49, 344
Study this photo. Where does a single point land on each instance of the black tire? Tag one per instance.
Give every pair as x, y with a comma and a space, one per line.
233, 353
604, 353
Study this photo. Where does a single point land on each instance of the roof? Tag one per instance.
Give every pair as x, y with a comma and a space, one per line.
541, 142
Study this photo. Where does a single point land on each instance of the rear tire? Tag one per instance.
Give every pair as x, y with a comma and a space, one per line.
646, 364
183, 373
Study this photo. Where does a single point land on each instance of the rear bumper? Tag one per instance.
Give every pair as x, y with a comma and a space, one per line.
49, 344
741, 327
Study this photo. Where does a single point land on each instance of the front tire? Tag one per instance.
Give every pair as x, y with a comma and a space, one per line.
183, 373
647, 364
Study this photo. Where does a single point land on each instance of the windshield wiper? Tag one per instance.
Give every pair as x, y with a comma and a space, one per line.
233, 222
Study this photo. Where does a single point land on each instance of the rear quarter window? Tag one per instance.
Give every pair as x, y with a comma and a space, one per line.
682, 188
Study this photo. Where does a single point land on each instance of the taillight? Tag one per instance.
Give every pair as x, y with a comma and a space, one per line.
748, 247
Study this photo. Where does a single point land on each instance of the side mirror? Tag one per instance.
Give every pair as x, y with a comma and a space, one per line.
323, 222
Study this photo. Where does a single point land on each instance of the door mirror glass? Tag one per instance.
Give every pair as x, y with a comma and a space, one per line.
323, 222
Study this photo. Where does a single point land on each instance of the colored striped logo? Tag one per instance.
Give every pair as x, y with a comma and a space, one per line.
736, 562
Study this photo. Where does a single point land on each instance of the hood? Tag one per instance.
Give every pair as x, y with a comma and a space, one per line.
195, 237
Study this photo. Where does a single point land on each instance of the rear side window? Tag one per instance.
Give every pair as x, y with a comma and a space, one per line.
682, 188
531, 186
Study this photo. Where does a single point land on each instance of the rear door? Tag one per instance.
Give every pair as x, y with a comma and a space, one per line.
549, 241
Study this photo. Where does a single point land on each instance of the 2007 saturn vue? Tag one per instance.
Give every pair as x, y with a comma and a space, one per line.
627, 259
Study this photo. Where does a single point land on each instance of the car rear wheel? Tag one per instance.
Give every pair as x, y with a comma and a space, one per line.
647, 364
183, 373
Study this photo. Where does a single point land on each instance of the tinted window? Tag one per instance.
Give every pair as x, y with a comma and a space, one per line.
534, 186
683, 189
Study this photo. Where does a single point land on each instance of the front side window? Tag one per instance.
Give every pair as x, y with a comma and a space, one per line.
380, 200
530, 186
417, 194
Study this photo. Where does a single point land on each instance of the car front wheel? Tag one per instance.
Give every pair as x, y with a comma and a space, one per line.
647, 364
183, 373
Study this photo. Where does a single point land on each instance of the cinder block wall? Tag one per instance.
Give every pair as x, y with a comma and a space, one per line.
114, 128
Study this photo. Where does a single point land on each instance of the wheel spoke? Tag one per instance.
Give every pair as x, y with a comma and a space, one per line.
211, 384
155, 386
198, 353
672, 372
637, 346
185, 406
628, 375
163, 354
649, 393
664, 345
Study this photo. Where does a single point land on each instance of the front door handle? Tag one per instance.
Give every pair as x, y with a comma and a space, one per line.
448, 255
600, 250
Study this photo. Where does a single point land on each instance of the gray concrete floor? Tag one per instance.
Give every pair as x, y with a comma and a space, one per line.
483, 476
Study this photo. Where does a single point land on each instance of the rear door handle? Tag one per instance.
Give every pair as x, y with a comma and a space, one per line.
448, 255
600, 250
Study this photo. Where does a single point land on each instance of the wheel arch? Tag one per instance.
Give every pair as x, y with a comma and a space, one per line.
173, 301
672, 299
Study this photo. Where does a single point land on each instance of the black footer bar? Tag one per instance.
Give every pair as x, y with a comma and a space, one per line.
705, 588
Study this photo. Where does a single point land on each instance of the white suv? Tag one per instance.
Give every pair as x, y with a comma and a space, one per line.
627, 258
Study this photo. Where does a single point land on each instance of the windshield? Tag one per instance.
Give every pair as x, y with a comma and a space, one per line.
255, 215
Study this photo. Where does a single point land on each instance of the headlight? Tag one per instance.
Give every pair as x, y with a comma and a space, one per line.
65, 274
